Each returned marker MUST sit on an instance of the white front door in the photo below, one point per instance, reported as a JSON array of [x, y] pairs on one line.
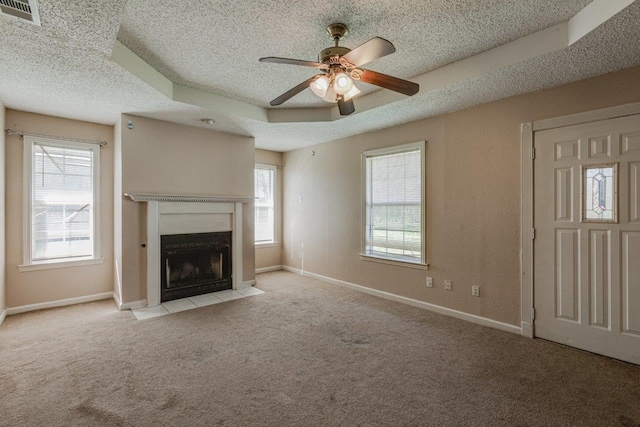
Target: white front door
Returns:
[[587, 236]]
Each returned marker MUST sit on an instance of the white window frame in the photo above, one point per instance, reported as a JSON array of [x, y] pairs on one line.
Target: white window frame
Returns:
[[275, 241], [28, 264], [422, 264]]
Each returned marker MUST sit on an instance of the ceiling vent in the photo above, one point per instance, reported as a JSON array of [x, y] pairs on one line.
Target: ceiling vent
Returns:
[[24, 10]]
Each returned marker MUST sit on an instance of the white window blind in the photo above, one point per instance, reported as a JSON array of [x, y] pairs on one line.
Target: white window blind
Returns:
[[265, 176], [63, 179], [393, 204]]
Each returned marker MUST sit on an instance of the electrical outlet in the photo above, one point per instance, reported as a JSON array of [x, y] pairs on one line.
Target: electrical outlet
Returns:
[[475, 291], [447, 285], [429, 282]]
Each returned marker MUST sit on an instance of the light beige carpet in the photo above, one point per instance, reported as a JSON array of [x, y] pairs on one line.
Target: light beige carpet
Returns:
[[304, 353]]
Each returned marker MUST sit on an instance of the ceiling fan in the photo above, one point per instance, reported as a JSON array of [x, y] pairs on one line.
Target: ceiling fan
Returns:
[[340, 66]]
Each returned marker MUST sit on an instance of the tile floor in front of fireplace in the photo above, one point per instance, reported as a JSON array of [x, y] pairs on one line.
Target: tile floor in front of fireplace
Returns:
[[183, 304]]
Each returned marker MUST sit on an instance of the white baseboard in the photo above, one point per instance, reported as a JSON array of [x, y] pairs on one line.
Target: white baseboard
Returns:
[[267, 269], [413, 302], [59, 303], [527, 330], [291, 269], [116, 299], [133, 304], [3, 316]]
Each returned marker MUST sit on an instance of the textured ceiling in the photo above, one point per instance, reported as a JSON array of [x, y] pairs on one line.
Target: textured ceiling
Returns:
[[63, 68], [215, 45]]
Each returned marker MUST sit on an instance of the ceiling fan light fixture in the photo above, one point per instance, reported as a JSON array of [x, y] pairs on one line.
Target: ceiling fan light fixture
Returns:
[[320, 86], [353, 92], [331, 95], [342, 83]]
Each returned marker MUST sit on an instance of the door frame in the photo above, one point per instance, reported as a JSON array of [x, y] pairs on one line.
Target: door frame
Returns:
[[527, 233]]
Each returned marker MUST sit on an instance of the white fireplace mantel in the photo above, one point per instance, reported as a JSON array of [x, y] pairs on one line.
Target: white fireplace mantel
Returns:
[[140, 197], [178, 214]]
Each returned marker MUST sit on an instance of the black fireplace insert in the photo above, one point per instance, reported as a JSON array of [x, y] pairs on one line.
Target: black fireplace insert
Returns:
[[194, 264]]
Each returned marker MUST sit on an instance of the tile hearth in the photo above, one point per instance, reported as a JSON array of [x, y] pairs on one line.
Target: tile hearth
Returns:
[[183, 304]]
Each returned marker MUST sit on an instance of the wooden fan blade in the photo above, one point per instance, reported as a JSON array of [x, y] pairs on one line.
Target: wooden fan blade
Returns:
[[375, 48], [346, 107], [276, 60], [389, 82], [293, 92]]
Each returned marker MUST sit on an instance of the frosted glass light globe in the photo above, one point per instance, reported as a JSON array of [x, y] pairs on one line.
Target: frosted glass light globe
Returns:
[[320, 85], [342, 83]]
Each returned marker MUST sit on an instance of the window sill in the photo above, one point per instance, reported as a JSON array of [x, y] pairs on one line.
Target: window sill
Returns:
[[60, 264], [407, 264], [267, 245]]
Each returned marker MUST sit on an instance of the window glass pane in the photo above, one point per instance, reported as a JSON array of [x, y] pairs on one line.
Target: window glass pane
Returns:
[[599, 193], [264, 205], [264, 221], [394, 205], [62, 202]]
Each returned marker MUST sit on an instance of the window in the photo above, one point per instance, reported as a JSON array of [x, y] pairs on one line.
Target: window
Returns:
[[394, 203], [600, 188], [265, 188], [61, 180]]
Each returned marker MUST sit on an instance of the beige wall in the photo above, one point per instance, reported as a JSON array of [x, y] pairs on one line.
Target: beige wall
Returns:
[[117, 210], [167, 158], [32, 287], [473, 198], [271, 255], [3, 304]]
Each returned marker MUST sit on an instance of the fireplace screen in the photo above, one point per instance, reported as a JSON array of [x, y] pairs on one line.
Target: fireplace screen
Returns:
[[194, 264]]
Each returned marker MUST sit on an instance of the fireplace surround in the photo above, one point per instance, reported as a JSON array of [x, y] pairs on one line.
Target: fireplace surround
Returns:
[[174, 215]]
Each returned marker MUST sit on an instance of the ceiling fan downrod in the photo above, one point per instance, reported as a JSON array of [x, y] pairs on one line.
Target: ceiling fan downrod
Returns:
[[337, 31]]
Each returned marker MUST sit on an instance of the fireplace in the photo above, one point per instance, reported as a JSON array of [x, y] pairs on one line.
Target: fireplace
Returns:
[[175, 215], [194, 264]]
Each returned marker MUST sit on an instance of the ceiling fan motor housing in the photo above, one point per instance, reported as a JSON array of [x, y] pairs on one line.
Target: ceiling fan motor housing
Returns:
[[327, 54]]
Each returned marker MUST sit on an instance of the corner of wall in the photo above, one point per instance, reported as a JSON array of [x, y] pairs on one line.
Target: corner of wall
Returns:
[[117, 211], [269, 257], [3, 304]]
